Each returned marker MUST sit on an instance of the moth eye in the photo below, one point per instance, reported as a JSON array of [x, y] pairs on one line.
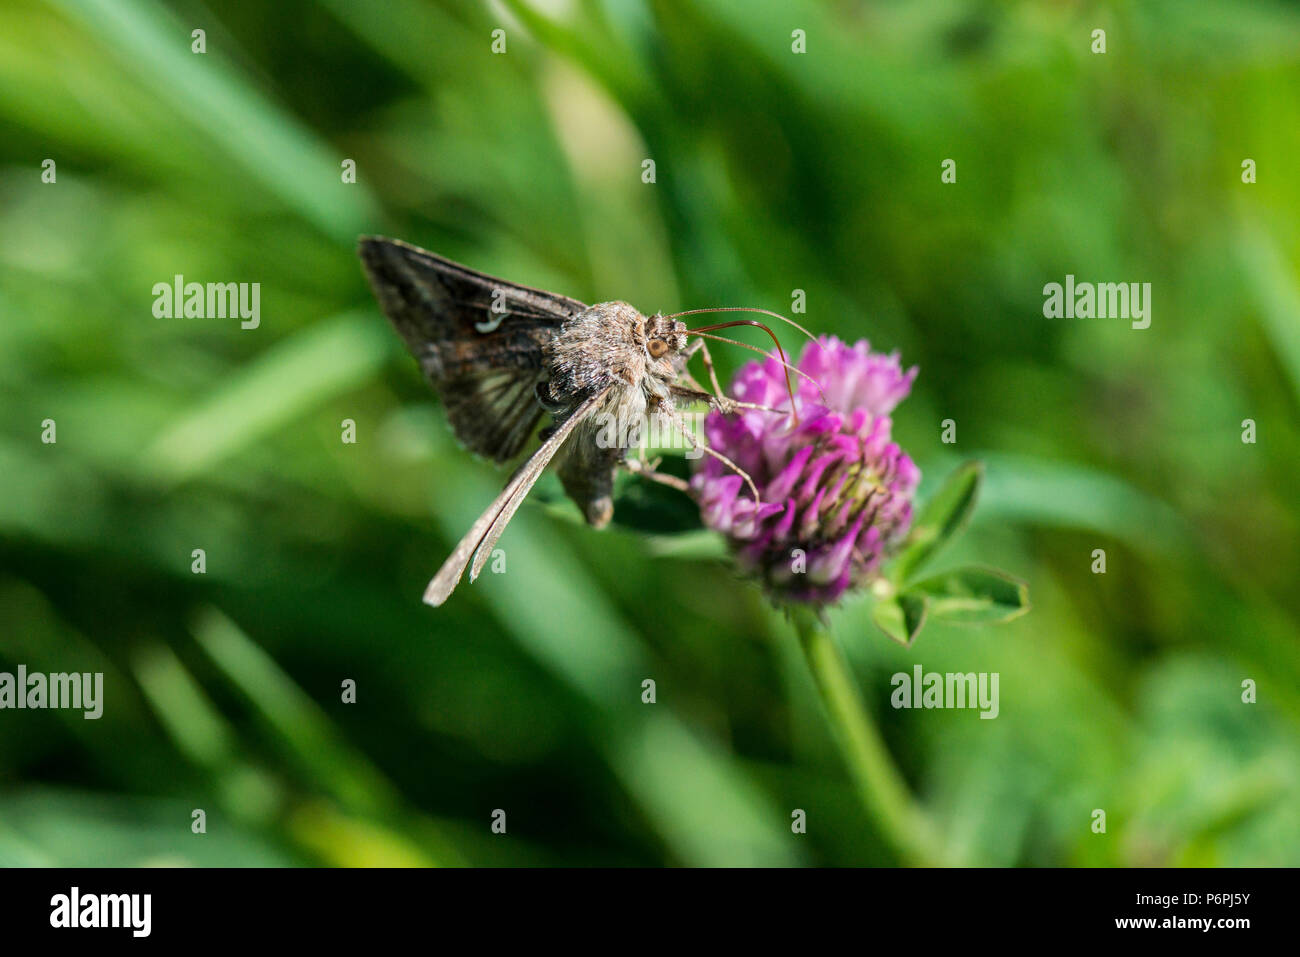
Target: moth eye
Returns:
[[657, 348]]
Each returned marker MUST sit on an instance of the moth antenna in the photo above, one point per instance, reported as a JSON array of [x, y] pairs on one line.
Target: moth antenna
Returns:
[[789, 386], [766, 312], [789, 368]]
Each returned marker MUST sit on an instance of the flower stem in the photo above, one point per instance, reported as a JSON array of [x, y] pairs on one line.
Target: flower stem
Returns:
[[879, 784]]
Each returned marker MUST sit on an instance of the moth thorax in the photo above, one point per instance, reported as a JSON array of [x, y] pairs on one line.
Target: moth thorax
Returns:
[[602, 344]]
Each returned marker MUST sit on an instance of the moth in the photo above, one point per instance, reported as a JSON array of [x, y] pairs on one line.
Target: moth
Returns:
[[502, 355]]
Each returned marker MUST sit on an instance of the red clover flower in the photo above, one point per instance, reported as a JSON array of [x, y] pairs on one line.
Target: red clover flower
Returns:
[[836, 491]]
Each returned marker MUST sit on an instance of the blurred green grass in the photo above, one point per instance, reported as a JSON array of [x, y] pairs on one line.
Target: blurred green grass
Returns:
[[775, 171]]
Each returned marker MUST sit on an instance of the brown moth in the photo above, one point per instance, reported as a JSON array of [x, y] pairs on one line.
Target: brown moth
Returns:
[[502, 355]]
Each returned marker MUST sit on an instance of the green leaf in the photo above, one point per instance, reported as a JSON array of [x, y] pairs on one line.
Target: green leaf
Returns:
[[1026, 490], [700, 545], [222, 101], [973, 596], [942, 518], [901, 617], [287, 380]]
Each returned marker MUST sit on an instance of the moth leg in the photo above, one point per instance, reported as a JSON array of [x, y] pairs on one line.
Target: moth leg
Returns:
[[720, 400], [695, 386], [686, 356], [649, 470], [691, 394], [690, 439], [698, 395], [713, 373], [725, 403], [694, 392]]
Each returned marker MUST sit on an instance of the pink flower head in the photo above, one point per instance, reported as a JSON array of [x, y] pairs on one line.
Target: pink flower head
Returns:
[[836, 491]]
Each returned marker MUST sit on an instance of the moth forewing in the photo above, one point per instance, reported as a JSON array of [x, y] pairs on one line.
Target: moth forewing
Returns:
[[485, 531], [478, 338], [534, 467]]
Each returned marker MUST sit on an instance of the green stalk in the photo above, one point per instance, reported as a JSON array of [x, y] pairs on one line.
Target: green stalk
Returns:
[[879, 784]]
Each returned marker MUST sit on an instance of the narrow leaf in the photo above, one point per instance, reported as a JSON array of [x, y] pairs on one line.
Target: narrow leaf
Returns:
[[942, 518]]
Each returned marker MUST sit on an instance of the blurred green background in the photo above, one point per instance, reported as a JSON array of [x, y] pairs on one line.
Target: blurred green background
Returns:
[[775, 171]]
